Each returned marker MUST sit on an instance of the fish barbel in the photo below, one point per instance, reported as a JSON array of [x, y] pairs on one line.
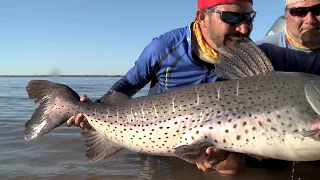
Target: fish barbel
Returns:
[[260, 112]]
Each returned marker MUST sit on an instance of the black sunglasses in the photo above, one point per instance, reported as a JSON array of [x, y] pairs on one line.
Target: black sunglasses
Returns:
[[303, 11], [234, 17]]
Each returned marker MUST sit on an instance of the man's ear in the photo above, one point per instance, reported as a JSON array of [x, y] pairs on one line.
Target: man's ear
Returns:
[[201, 17], [285, 12]]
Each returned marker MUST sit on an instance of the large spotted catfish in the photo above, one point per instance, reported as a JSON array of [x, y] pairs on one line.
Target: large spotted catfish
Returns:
[[257, 111]]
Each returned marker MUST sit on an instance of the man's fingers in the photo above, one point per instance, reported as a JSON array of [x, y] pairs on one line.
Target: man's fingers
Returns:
[[70, 121], [84, 98], [82, 125], [78, 119], [204, 166], [87, 125], [209, 150]]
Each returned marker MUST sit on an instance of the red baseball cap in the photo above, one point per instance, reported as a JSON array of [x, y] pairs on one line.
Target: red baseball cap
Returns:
[[203, 4]]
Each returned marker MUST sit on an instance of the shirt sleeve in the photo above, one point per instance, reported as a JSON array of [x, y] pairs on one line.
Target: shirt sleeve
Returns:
[[145, 67]]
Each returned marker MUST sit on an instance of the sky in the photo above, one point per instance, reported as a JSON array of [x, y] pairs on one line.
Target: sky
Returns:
[[95, 37]]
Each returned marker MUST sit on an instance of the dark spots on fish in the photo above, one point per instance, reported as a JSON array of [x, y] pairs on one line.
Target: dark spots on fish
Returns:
[[215, 141], [260, 123], [226, 131], [244, 123], [219, 122], [175, 122], [210, 127], [224, 141], [229, 120], [278, 116], [246, 131], [295, 131], [269, 120], [290, 125], [254, 128], [235, 126], [253, 137], [238, 137], [197, 132], [273, 129]]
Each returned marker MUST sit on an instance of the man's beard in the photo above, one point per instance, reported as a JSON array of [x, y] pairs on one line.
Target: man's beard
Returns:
[[220, 41]]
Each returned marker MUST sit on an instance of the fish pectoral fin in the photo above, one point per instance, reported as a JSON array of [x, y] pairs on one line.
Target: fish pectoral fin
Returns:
[[194, 153], [314, 134], [98, 147], [312, 90]]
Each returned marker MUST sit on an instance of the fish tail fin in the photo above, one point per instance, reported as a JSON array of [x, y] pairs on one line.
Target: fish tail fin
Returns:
[[98, 146], [240, 58], [54, 101]]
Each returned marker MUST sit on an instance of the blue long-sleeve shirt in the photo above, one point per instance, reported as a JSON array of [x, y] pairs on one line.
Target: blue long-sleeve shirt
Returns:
[[169, 63]]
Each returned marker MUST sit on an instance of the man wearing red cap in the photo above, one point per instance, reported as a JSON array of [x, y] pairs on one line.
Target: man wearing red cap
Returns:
[[185, 56]]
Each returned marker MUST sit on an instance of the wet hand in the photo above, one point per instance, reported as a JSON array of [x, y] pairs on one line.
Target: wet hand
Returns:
[[234, 164], [80, 120], [215, 156], [222, 161]]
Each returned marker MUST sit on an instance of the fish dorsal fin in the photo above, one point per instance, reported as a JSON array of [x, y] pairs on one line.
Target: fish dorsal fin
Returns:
[[114, 97], [238, 59]]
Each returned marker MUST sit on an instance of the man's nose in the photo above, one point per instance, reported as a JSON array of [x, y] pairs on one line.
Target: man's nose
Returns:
[[310, 18], [243, 28]]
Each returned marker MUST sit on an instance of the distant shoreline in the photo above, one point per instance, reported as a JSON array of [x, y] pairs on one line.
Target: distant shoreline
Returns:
[[61, 75]]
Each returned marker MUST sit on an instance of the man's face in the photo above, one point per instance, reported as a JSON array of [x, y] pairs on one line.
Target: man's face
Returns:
[[304, 29], [219, 31]]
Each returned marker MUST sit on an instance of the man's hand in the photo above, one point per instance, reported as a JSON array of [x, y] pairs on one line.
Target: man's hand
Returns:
[[223, 161], [79, 120], [215, 156]]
